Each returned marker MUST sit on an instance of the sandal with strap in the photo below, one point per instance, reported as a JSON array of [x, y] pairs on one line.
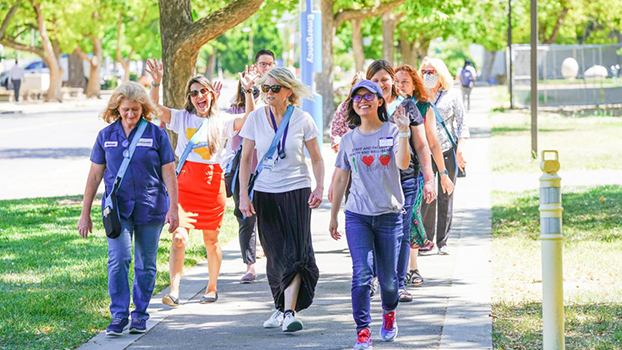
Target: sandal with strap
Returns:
[[414, 277]]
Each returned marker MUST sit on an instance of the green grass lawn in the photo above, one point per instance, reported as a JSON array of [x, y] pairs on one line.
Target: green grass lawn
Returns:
[[592, 264], [53, 283], [584, 143]]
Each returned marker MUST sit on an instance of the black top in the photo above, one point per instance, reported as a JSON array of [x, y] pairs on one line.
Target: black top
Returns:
[[416, 118]]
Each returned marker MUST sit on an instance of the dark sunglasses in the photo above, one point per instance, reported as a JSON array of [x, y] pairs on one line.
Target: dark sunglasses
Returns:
[[196, 93], [359, 98], [275, 88]]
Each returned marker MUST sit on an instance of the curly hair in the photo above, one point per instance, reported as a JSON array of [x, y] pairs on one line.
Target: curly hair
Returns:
[[419, 92], [130, 91], [287, 79]]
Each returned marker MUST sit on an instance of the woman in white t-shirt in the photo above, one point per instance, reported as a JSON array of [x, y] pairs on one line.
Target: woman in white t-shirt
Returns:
[[202, 194], [283, 198]]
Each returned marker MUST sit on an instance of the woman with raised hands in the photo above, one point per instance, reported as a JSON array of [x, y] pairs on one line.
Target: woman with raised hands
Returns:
[[200, 176]]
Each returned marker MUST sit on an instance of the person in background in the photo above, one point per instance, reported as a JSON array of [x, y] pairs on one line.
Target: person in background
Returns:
[[466, 76], [338, 126], [437, 215], [143, 203], [202, 196], [372, 155], [16, 75], [282, 198]]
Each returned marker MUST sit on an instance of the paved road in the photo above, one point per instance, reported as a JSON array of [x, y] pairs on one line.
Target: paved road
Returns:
[[451, 310]]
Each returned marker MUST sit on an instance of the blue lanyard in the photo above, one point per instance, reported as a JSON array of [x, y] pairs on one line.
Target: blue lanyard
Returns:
[[281, 145]]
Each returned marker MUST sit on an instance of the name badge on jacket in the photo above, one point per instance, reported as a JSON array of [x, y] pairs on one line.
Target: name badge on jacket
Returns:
[[108, 144], [145, 143]]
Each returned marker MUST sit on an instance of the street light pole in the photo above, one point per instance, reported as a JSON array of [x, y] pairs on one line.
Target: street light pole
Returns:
[[510, 75], [534, 79]]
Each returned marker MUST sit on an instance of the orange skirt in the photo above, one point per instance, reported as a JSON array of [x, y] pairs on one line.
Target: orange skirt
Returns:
[[202, 191]]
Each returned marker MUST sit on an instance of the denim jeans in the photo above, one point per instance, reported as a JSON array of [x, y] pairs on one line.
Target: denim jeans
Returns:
[[372, 237], [119, 256], [408, 187]]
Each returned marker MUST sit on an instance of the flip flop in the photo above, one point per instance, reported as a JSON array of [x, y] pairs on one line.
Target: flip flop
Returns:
[[208, 300]]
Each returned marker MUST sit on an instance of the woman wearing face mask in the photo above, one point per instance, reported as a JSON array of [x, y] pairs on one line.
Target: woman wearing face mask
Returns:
[[282, 198], [438, 81], [372, 155], [201, 179], [410, 85]]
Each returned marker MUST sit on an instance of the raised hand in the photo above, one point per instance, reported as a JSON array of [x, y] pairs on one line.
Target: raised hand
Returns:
[[155, 69], [217, 88], [401, 119], [247, 78]]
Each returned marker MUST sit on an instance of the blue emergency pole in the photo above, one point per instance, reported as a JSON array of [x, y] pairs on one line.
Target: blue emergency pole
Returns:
[[311, 58]]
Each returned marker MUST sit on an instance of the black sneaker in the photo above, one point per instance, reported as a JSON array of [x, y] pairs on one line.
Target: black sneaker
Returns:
[[117, 326], [138, 326]]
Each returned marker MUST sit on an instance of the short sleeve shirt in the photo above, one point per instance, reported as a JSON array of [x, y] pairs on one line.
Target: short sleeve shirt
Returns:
[[290, 173], [376, 188], [185, 124], [142, 196]]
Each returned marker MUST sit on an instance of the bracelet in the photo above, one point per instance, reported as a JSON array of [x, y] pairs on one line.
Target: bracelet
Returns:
[[248, 91], [404, 134], [155, 84]]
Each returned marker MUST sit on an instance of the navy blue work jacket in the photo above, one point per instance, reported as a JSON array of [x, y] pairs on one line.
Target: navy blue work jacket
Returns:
[[142, 197]]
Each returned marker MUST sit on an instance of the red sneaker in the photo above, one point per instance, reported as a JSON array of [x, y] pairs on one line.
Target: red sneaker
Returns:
[[364, 340]]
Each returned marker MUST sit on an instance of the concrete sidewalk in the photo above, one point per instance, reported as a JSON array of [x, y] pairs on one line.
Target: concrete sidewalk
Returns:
[[450, 310]]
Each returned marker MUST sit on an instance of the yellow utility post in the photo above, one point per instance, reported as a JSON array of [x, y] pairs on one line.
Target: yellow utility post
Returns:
[[552, 240]]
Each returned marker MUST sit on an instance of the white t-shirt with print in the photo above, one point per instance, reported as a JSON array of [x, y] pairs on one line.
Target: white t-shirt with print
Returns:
[[185, 124], [290, 173]]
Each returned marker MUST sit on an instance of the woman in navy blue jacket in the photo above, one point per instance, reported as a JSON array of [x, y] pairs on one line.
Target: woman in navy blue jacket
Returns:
[[147, 199]]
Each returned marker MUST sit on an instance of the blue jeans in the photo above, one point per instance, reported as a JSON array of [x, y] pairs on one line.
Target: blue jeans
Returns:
[[372, 237], [408, 187], [119, 257]]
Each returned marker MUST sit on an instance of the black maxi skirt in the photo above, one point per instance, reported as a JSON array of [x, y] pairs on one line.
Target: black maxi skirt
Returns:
[[284, 223]]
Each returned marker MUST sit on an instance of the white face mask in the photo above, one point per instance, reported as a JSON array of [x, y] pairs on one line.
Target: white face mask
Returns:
[[430, 80]]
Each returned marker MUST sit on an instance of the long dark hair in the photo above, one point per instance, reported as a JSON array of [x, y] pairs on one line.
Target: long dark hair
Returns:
[[354, 119], [384, 65]]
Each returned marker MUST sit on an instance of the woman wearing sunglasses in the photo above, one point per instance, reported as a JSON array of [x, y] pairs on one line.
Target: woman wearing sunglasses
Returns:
[[201, 180], [410, 85], [372, 155], [438, 80], [282, 198]]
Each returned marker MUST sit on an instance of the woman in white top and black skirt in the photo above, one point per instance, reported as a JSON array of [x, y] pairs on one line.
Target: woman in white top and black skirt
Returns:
[[282, 196]]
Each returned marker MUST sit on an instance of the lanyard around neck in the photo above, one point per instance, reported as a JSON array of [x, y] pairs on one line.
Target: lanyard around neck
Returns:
[[281, 145]]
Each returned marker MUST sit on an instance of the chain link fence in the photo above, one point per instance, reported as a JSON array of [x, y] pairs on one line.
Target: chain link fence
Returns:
[[569, 75]]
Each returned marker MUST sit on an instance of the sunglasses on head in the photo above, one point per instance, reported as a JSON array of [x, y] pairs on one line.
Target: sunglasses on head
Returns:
[[359, 98], [275, 88], [196, 93]]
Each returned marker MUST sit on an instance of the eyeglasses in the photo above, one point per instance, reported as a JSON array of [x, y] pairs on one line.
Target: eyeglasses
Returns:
[[359, 98], [195, 93], [265, 64], [275, 88], [428, 71]]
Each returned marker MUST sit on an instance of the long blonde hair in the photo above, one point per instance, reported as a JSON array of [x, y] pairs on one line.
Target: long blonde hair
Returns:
[[284, 77], [213, 129], [130, 91]]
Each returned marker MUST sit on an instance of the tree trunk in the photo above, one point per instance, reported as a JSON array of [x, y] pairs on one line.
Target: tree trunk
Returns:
[[93, 89], [357, 44], [388, 37], [558, 24], [182, 39], [124, 63], [51, 58], [407, 50], [324, 80], [210, 65], [76, 71]]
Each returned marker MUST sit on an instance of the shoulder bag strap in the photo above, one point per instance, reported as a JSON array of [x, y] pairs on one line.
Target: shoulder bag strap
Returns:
[[190, 146], [275, 141], [142, 125], [442, 122]]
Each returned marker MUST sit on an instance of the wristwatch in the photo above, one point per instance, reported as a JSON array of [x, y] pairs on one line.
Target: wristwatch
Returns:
[[155, 84], [248, 91], [444, 172]]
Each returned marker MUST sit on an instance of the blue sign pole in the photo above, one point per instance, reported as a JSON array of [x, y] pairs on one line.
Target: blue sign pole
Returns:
[[311, 59]]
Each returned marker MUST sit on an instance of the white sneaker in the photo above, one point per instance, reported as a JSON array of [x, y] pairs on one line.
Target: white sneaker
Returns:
[[443, 250], [291, 323], [276, 320]]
